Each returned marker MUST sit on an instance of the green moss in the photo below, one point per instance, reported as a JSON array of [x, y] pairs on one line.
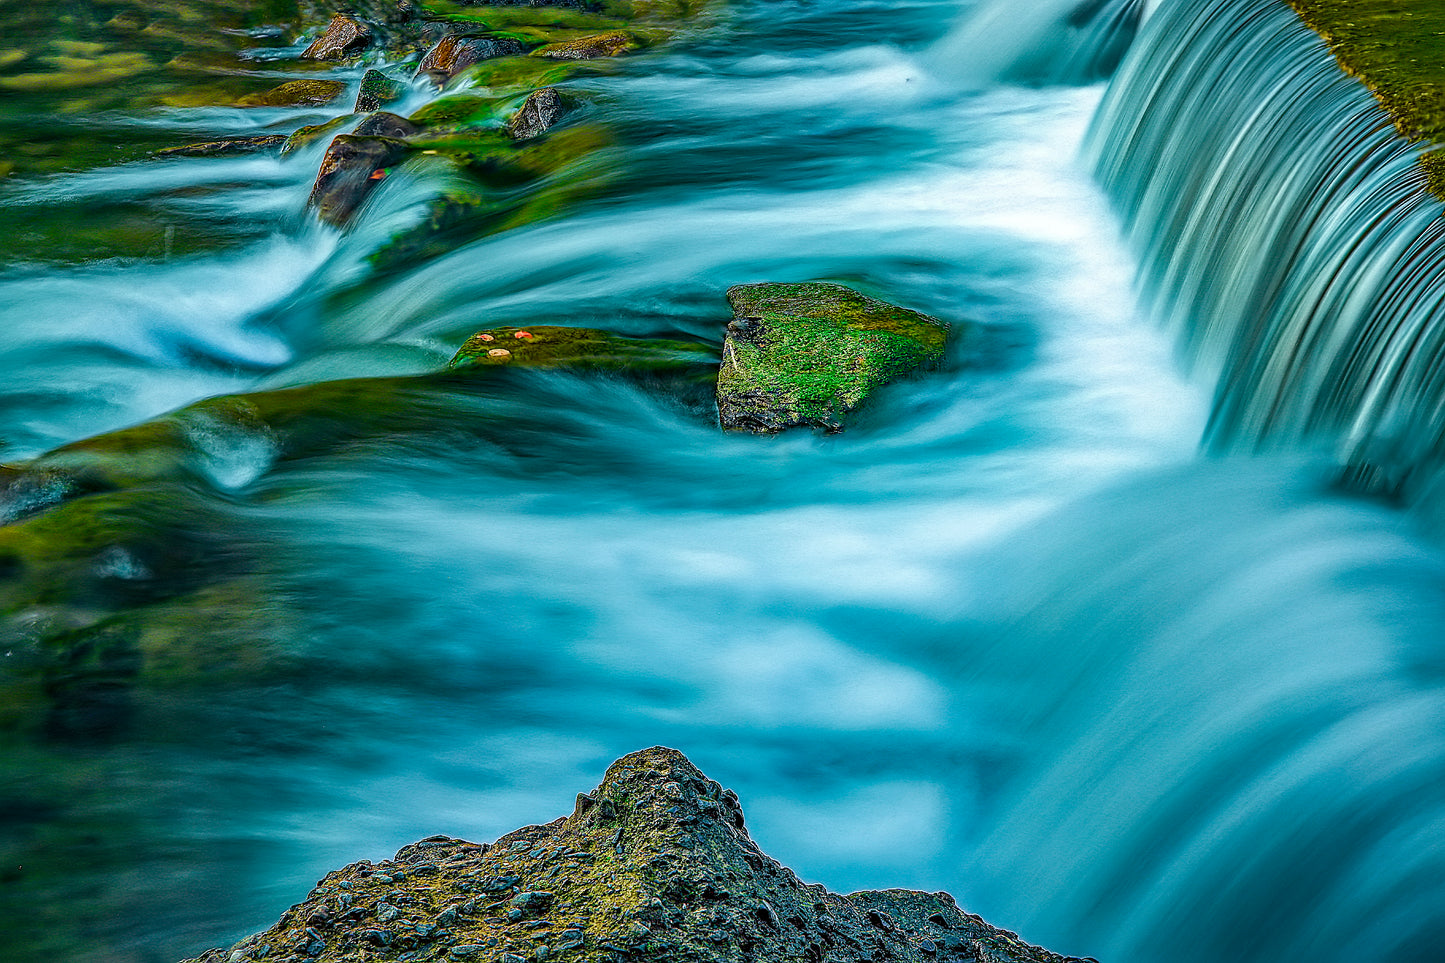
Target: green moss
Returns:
[[598, 46], [808, 354], [1397, 49], [530, 24], [457, 111], [554, 346], [314, 132]]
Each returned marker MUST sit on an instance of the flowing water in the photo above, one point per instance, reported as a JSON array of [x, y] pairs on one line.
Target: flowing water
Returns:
[[1010, 635]]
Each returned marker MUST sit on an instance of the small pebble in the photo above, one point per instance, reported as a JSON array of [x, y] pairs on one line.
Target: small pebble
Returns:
[[467, 950], [523, 334], [485, 337], [504, 353]]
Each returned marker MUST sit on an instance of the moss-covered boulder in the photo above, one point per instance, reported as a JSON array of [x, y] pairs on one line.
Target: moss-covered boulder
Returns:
[[555, 346], [809, 354], [377, 91], [297, 93], [655, 864]]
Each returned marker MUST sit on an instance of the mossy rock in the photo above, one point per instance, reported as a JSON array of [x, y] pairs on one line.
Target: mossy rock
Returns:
[[614, 43], [655, 864], [377, 91], [297, 93], [456, 112], [811, 353], [556, 346]]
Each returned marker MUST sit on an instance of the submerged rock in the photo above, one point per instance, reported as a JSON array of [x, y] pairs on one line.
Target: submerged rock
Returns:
[[538, 114], [655, 864], [226, 146], [611, 44], [383, 124], [297, 93], [452, 55], [343, 37], [378, 90], [311, 133], [809, 354], [350, 171], [555, 346]]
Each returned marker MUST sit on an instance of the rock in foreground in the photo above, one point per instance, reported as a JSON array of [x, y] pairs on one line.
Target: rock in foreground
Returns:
[[808, 354], [654, 865]]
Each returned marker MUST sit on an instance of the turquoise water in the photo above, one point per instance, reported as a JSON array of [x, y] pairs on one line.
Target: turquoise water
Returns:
[[1012, 635]]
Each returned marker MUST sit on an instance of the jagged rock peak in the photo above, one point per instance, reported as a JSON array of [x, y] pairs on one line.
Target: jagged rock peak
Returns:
[[655, 864]]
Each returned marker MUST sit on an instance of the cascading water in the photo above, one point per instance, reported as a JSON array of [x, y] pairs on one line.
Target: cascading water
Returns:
[[1284, 233], [1006, 636], [1043, 42]]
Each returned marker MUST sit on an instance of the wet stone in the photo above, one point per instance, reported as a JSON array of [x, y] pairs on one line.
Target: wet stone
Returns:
[[352, 168], [539, 113], [343, 37], [452, 55], [383, 124]]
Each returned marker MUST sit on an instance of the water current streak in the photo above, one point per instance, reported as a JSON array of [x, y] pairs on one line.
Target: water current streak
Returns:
[[1284, 231]]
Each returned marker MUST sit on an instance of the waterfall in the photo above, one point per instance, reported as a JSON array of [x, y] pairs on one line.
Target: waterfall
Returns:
[[1285, 233], [1042, 42]]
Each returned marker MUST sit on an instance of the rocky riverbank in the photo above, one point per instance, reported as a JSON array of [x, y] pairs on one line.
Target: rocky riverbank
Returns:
[[655, 864]]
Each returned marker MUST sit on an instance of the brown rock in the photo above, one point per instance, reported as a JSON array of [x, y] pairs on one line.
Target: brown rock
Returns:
[[539, 113], [350, 171], [343, 37], [655, 865], [452, 55]]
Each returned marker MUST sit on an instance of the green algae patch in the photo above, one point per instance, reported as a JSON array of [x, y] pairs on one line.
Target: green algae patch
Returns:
[[809, 354], [1397, 49], [556, 346], [311, 133], [529, 24]]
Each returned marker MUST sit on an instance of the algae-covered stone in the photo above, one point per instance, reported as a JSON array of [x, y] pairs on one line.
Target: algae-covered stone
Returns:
[[352, 168], [556, 346], [297, 93], [808, 354], [655, 864], [383, 124], [343, 37], [226, 147], [614, 43], [377, 91]]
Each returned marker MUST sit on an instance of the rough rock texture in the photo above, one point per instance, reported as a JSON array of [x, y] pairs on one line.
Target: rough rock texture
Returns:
[[297, 93], [610, 44], [808, 354], [555, 346], [654, 865], [351, 169], [378, 90], [539, 113], [343, 37], [452, 55]]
